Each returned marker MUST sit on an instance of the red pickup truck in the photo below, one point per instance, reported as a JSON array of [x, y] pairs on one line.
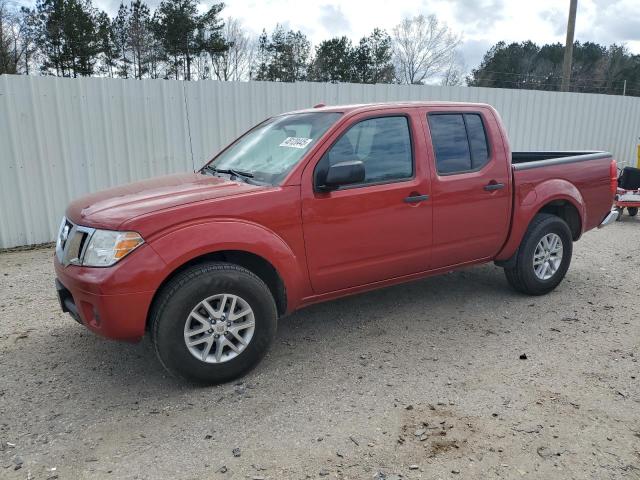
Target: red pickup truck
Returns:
[[314, 205]]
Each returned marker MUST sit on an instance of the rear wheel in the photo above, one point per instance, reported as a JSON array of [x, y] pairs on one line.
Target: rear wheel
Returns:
[[213, 323], [620, 212], [632, 211], [543, 257]]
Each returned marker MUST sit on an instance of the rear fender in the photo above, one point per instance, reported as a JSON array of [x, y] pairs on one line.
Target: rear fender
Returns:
[[181, 245], [529, 200]]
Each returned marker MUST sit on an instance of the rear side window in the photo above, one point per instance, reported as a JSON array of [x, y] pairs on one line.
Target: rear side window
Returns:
[[459, 142], [383, 144]]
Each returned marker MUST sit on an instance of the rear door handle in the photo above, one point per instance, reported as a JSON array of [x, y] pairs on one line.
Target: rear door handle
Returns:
[[416, 198], [494, 186]]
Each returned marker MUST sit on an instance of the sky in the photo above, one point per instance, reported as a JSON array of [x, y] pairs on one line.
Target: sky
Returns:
[[481, 23]]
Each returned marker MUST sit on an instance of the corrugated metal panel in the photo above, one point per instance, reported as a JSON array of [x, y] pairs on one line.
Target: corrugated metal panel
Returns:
[[62, 138]]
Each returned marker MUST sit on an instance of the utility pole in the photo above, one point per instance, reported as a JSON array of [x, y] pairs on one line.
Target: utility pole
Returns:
[[568, 48]]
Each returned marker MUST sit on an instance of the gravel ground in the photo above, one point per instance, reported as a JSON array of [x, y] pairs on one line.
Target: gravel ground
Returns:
[[423, 380]]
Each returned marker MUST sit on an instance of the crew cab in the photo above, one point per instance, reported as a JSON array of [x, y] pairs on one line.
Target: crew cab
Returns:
[[314, 205]]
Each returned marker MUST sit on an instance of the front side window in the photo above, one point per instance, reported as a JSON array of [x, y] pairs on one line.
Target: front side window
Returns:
[[269, 152], [382, 144], [459, 142]]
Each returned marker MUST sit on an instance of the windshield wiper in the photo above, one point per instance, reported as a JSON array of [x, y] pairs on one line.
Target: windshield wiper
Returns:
[[230, 171]]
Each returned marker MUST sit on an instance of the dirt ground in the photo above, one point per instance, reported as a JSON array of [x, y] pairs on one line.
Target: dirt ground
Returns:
[[423, 380]]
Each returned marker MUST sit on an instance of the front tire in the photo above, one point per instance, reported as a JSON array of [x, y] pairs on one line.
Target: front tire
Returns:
[[543, 257], [632, 211], [213, 323]]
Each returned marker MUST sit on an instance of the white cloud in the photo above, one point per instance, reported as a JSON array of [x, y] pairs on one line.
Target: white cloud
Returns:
[[482, 23], [333, 20]]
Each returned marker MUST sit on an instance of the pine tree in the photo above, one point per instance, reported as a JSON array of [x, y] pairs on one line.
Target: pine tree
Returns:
[[120, 32], [140, 37], [372, 59], [380, 54], [333, 61], [107, 45], [184, 34], [296, 56], [68, 36], [284, 57], [210, 41], [264, 57]]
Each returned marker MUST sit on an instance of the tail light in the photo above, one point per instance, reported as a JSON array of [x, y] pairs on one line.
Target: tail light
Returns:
[[613, 173]]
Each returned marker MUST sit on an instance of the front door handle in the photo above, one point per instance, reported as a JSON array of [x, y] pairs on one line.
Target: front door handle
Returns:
[[416, 198], [494, 186]]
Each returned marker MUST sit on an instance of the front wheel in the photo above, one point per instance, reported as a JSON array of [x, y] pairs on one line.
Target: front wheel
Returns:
[[632, 211], [213, 322], [543, 257]]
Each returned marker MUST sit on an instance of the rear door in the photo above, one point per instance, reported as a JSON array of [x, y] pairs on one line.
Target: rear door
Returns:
[[471, 185], [381, 228]]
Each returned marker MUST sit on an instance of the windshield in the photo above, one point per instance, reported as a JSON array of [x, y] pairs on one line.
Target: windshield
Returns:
[[267, 153]]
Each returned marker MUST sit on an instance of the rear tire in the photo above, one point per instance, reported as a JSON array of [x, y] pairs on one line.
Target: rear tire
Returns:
[[216, 305], [620, 212], [548, 239], [632, 211]]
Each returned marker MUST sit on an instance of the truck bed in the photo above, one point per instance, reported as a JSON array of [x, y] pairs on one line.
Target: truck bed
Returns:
[[537, 159], [582, 175]]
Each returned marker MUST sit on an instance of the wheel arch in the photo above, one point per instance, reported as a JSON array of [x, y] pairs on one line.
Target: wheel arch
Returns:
[[566, 210], [557, 197], [246, 244], [256, 264]]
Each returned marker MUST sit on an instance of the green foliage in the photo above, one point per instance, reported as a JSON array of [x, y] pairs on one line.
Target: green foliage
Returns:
[[283, 57], [334, 61], [525, 65], [107, 41], [337, 60], [184, 34], [372, 59], [140, 39], [72, 38], [210, 40], [176, 26], [67, 36], [120, 36]]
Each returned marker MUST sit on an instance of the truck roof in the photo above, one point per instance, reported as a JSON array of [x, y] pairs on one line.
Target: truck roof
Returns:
[[363, 107]]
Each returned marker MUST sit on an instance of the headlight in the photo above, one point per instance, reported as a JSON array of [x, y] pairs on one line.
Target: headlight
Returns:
[[106, 247]]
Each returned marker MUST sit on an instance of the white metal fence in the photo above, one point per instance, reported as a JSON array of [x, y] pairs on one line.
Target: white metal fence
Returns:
[[62, 138]]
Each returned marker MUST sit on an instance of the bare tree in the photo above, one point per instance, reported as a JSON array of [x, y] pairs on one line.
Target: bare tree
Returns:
[[8, 39], [453, 76], [235, 63], [423, 47]]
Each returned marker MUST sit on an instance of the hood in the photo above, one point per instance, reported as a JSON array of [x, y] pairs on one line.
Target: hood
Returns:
[[110, 208]]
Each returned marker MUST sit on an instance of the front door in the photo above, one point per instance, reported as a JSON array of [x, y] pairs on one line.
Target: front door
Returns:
[[381, 228], [471, 186]]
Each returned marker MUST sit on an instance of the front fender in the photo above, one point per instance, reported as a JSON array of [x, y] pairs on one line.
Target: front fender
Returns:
[[184, 244], [529, 200]]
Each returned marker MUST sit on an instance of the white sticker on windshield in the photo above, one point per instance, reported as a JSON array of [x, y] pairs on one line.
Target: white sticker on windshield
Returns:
[[296, 142]]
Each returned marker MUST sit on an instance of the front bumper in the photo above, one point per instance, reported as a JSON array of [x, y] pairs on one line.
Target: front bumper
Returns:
[[66, 301], [611, 217], [99, 298]]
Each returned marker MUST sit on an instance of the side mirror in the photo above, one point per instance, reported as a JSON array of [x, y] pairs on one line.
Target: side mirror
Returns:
[[343, 173]]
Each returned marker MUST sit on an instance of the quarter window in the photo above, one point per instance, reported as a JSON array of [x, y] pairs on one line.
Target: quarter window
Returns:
[[383, 144], [459, 142]]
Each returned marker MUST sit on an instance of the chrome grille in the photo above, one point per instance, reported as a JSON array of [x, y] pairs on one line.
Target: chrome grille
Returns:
[[71, 242]]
